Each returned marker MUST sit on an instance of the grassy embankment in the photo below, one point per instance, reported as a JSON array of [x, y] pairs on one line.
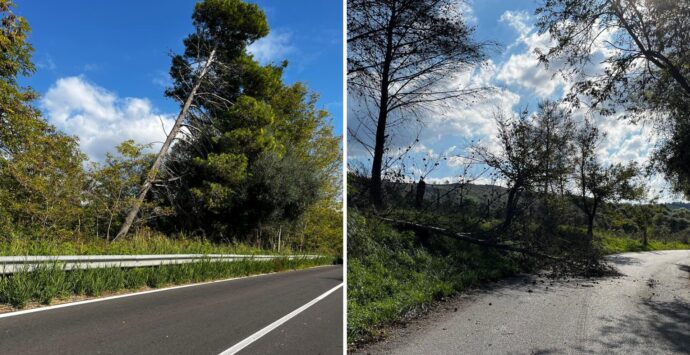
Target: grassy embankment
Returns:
[[613, 245]]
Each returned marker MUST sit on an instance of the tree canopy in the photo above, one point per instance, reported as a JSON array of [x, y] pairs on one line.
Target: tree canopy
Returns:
[[645, 66]]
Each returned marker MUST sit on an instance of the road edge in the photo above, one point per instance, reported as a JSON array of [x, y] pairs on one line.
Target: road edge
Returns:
[[138, 293]]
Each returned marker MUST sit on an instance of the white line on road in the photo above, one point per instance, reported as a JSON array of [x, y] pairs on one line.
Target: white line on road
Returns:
[[254, 337]]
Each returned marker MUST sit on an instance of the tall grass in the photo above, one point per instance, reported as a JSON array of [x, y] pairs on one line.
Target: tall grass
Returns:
[[138, 244], [49, 282], [391, 275], [611, 244]]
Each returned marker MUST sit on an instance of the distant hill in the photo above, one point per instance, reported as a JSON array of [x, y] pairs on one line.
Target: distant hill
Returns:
[[678, 205]]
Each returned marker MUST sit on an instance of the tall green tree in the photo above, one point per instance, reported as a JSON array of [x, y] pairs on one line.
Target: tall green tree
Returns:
[[41, 174], [255, 151], [223, 29]]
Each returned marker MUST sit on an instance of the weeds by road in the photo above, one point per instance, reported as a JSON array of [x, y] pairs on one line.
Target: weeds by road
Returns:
[[616, 245], [390, 276], [144, 243], [52, 282]]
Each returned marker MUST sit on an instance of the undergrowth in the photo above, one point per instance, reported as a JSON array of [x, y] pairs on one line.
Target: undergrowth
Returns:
[[136, 244], [391, 275]]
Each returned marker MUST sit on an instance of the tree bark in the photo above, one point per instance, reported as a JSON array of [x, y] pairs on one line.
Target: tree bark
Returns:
[[419, 197], [164, 150], [375, 189], [590, 227], [590, 221], [511, 206]]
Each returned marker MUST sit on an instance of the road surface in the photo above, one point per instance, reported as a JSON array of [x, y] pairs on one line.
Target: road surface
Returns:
[[204, 319], [647, 311]]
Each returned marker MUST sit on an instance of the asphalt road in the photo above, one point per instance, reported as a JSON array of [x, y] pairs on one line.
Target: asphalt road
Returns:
[[647, 311], [203, 319]]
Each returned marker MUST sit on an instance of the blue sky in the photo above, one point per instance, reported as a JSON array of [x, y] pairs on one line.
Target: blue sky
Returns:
[[102, 65], [519, 81]]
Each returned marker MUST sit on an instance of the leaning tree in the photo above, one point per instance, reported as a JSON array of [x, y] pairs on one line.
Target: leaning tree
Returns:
[[223, 29]]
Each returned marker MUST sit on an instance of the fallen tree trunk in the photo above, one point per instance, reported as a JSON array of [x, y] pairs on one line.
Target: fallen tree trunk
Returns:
[[466, 237]]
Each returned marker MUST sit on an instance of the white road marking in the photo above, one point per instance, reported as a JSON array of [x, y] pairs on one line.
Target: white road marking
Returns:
[[254, 337], [47, 308]]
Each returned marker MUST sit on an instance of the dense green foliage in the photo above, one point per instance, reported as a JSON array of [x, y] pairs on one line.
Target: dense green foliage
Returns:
[[258, 153], [40, 168], [142, 243], [616, 244], [50, 282], [257, 162]]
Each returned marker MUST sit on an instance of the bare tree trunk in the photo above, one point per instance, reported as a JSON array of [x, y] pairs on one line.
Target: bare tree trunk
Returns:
[[511, 206], [110, 222], [419, 197], [375, 190], [164, 150], [280, 231], [590, 227]]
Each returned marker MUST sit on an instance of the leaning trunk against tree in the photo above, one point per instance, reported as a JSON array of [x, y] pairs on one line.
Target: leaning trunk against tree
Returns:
[[153, 172]]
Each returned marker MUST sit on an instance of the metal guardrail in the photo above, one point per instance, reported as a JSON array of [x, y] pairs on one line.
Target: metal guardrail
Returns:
[[12, 264]]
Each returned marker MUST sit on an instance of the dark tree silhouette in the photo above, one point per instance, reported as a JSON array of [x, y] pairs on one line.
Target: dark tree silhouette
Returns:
[[399, 53], [646, 66]]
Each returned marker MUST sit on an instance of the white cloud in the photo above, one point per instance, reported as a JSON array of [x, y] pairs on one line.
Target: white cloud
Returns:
[[523, 69], [517, 78], [467, 12], [517, 20], [273, 47], [474, 119], [100, 118]]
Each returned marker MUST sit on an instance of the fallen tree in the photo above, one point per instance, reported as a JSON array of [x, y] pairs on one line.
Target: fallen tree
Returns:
[[582, 263], [468, 237]]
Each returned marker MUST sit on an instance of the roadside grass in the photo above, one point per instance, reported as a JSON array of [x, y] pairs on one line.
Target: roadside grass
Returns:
[[143, 243], [613, 245], [391, 276], [51, 282]]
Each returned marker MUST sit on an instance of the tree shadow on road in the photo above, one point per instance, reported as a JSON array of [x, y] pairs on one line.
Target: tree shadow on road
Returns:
[[665, 324], [683, 267]]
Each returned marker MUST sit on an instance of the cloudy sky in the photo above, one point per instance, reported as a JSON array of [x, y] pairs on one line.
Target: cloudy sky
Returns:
[[519, 82], [102, 65]]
